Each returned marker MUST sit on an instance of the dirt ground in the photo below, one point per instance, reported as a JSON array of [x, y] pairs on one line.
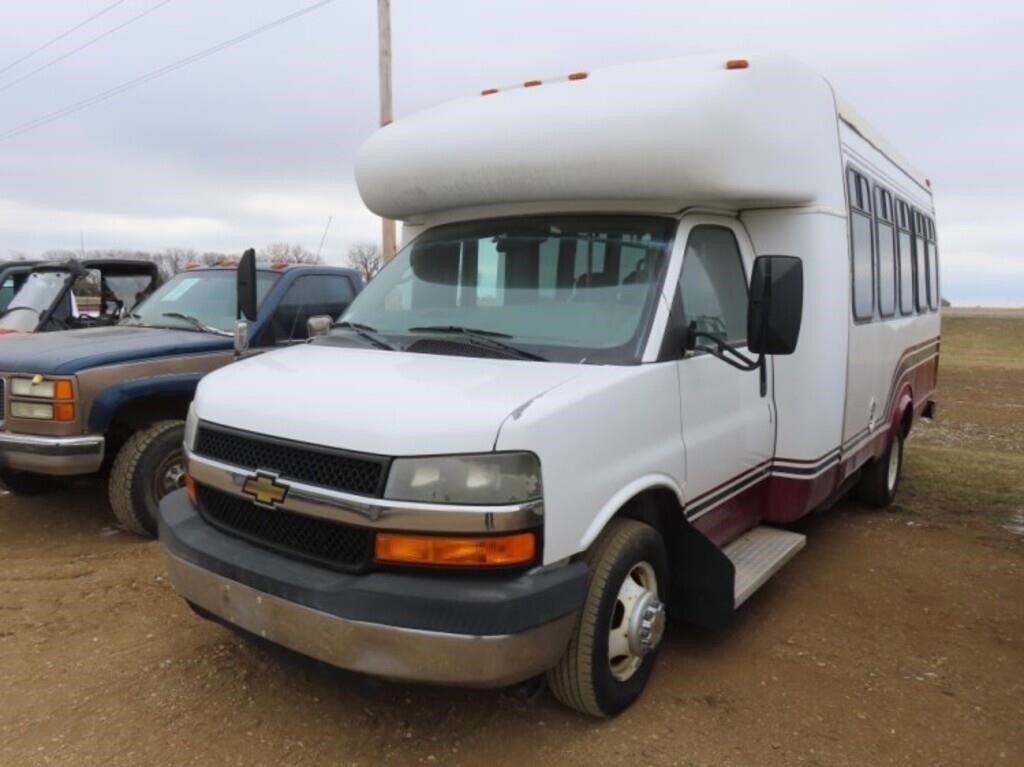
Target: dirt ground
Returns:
[[895, 637]]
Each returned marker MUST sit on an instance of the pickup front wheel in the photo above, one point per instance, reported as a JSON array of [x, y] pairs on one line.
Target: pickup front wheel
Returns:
[[611, 653], [149, 465]]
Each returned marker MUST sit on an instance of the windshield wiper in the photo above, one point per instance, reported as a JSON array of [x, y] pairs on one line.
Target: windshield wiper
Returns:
[[367, 334], [489, 338], [196, 323]]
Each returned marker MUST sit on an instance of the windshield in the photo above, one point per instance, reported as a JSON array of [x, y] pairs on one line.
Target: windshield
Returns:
[[36, 295], [568, 289], [209, 296]]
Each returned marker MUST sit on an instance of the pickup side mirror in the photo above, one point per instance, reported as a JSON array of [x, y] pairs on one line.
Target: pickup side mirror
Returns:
[[776, 305], [248, 305], [320, 325]]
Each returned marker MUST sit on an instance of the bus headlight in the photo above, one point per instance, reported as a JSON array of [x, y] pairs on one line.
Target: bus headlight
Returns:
[[484, 479]]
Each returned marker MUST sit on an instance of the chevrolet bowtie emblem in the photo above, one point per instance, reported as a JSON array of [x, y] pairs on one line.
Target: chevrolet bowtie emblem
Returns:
[[265, 489]]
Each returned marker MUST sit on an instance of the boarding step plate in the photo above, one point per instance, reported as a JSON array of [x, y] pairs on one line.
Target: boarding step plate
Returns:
[[758, 555]]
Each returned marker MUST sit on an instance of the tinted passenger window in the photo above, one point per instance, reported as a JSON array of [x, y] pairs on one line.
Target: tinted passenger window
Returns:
[[921, 261], [714, 284], [933, 267], [905, 255], [309, 296], [886, 237], [862, 252]]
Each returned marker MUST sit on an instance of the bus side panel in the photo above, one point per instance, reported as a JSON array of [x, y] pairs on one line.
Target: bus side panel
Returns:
[[810, 384]]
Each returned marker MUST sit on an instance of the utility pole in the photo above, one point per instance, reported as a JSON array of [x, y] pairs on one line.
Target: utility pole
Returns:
[[388, 238]]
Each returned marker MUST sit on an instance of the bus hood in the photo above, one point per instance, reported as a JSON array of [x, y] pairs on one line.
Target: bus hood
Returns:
[[372, 401]]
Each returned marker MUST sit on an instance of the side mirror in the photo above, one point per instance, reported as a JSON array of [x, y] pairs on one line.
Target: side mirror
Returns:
[[248, 305], [776, 305], [241, 338], [320, 325]]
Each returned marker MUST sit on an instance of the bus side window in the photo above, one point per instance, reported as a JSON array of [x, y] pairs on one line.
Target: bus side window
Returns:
[[905, 255], [933, 266], [921, 261], [885, 234], [862, 255]]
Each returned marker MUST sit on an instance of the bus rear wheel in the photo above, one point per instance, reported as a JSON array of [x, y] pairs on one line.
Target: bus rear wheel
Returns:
[[611, 653], [881, 478]]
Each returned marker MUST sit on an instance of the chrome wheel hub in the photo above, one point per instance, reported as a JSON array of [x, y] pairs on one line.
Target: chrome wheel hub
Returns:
[[894, 464], [637, 623]]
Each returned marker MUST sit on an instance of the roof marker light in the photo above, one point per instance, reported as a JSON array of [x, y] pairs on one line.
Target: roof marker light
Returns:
[[488, 91], [578, 75], [531, 83], [737, 64]]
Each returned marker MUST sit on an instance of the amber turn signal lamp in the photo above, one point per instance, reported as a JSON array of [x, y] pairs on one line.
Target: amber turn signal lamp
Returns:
[[397, 548], [737, 64], [63, 390], [64, 412], [190, 488]]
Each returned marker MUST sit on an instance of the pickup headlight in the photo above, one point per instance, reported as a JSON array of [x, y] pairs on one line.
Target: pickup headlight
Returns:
[[53, 399], [43, 388], [484, 479]]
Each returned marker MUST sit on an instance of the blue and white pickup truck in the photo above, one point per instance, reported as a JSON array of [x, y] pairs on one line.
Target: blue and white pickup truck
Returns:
[[113, 399]]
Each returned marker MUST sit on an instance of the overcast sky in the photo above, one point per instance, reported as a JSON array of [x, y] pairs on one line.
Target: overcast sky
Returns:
[[255, 144]]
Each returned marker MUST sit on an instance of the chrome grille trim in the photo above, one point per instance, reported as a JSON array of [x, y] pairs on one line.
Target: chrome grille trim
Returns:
[[377, 513]]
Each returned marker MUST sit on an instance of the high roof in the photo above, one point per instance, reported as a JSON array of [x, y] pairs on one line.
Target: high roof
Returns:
[[656, 136]]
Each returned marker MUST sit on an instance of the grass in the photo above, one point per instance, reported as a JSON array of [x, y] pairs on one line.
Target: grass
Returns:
[[969, 464]]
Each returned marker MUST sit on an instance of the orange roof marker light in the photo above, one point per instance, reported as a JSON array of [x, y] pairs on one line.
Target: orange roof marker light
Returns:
[[488, 91], [578, 76], [532, 83], [228, 262], [279, 265], [737, 64]]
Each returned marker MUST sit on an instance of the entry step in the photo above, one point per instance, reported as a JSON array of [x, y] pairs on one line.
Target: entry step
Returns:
[[758, 555]]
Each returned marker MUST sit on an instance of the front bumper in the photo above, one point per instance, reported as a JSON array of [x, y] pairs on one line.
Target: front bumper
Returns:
[[461, 629], [63, 456]]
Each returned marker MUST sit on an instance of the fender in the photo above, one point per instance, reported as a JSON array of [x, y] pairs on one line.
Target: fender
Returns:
[[105, 405], [903, 401], [617, 501]]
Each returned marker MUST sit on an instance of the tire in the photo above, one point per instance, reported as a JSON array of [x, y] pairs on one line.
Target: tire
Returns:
[[24, 483], [148, 466], [585, 678], [880, 480]]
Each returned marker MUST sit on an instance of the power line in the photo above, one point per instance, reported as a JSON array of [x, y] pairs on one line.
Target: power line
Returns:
[[81, 47], [159, 72], [60, 37]]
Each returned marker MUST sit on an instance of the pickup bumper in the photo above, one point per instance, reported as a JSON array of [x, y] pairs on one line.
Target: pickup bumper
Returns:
[[459, 629], [62, 456]]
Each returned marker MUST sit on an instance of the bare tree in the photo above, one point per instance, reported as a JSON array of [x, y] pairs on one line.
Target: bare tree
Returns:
[[366, 257], [289, 254]]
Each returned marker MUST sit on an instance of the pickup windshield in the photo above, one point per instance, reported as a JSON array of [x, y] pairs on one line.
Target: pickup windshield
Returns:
[[36, 296], [566, 289], [192, 300]]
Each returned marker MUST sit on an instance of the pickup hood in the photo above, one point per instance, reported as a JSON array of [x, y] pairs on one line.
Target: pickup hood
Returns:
[[389, 403], [69, 351]]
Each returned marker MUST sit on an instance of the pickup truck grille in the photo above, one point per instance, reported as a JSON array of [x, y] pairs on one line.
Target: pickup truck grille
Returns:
[[355, 473], [338, 546]]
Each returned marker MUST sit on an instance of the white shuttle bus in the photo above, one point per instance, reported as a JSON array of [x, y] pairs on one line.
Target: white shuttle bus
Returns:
[[644, 319]]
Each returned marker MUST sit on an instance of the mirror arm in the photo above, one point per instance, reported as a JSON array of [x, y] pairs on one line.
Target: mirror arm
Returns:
[[721, 349]]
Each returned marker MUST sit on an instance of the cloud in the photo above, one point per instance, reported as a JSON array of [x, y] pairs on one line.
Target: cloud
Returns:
[[256, 144]]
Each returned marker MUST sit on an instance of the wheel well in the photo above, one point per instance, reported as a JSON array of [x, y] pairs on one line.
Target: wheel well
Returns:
[[137, 414], [907, 418], [702, 577]]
